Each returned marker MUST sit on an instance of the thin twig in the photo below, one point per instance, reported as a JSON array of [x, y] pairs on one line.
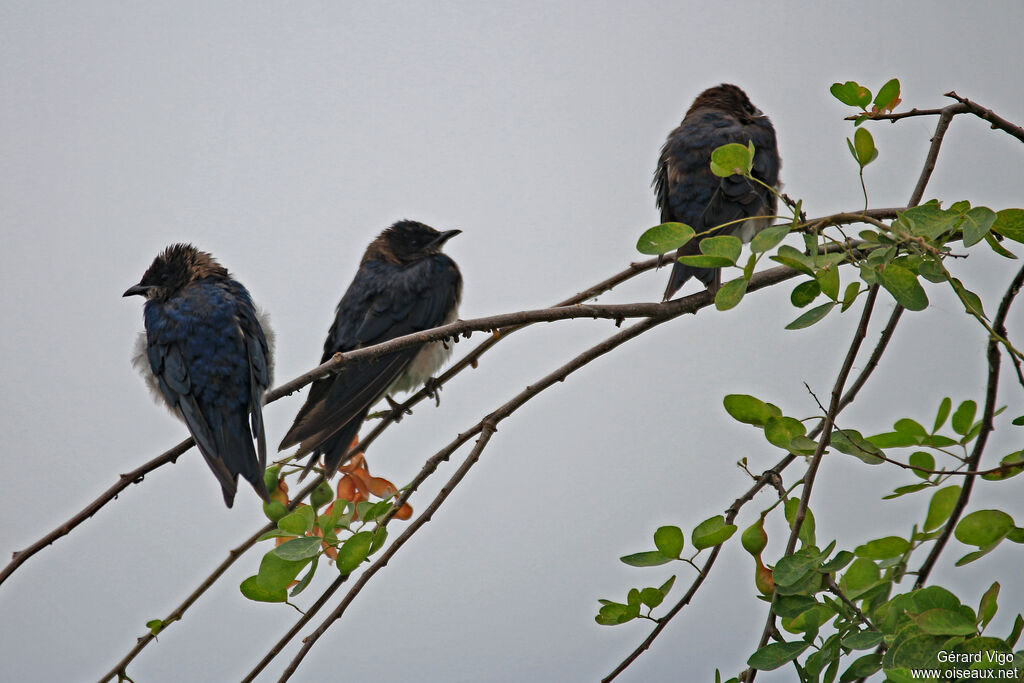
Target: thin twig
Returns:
[[998, 122]]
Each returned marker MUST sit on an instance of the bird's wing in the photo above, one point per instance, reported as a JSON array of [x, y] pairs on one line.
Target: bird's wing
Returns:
[[383, 303]]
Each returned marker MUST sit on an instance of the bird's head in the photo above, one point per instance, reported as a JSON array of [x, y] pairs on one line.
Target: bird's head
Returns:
[[729, 98], [408, 241], [173, 269]]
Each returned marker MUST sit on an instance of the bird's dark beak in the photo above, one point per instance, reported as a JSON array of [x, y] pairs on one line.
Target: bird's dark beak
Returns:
[[444, 237], [136, 289]]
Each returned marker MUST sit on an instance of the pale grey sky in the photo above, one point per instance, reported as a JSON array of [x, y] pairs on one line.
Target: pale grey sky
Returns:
[[282, 137]]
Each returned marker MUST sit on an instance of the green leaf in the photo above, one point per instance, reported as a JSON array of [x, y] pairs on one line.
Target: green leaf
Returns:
[[864, 147], [731, 159], [298, 522], [928, 220], [828, 280], [807, 527], [941, 507], [669, 540], [842, 558], [804, 293], [652, 597], [667, 586], [979, 221], [155, 626], [1010, 223], [276, 572], [851, 93], [888, 95], [882, 548], [750, 410], [793, 605], [903, 490], [792, 568], [705, 261], [614, 613], [1018, 627], [354, 551], [987, 608], [963, 418], [850, 442], [712, 532], [1013, 464], [972, 302], [664, 238], [723, 246], [904, 287], [254, 591], [940, 418], [305, 580], [781, 430], [983, 527], [908, 426], [863, 640], [812, 316], [862, 667], [923, 460], [793, 258], [730, 294], [301, 548], [894, 440], [775, 655], [999, 248], [860, 577], [768, 238], [944, 622], [651, 558], [380, 536]]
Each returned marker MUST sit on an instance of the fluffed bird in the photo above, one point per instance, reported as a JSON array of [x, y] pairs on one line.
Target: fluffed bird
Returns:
[[404, 284], [205, 353], [688, 192]]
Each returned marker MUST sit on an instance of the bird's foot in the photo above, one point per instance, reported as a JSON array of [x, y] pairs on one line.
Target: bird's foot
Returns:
[[433, 388], [397, 412]]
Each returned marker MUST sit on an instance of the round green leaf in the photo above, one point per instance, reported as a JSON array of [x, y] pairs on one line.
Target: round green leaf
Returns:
[[977, 223], [730, 294], [804, 293], [944, 622], [781, 430], [768, 238], [664, 238], [354, 551], [254, 591], [864, 145], [904, 287], [712, 532], [669, 540], [963, 418], [883, 548], [731, 159], [983, 527], [851, 93], [1010, 223], [723, 246]]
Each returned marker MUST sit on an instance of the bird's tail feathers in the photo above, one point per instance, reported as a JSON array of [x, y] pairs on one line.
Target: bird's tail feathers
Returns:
[[681, 273]]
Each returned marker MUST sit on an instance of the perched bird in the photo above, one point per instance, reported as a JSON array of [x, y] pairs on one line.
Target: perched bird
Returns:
[[209, 359], [688, 192], [404, 284]]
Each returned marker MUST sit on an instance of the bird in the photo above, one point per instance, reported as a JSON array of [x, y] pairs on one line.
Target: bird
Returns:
[[688, 192], [207, 354], [404, 284]]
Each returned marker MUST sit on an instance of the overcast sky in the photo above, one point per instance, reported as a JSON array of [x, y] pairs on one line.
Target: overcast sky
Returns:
[[282, 137]]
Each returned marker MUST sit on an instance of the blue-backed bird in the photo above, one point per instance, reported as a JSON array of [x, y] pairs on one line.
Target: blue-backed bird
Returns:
[[688, 192], [205, 352], [404, 284]]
